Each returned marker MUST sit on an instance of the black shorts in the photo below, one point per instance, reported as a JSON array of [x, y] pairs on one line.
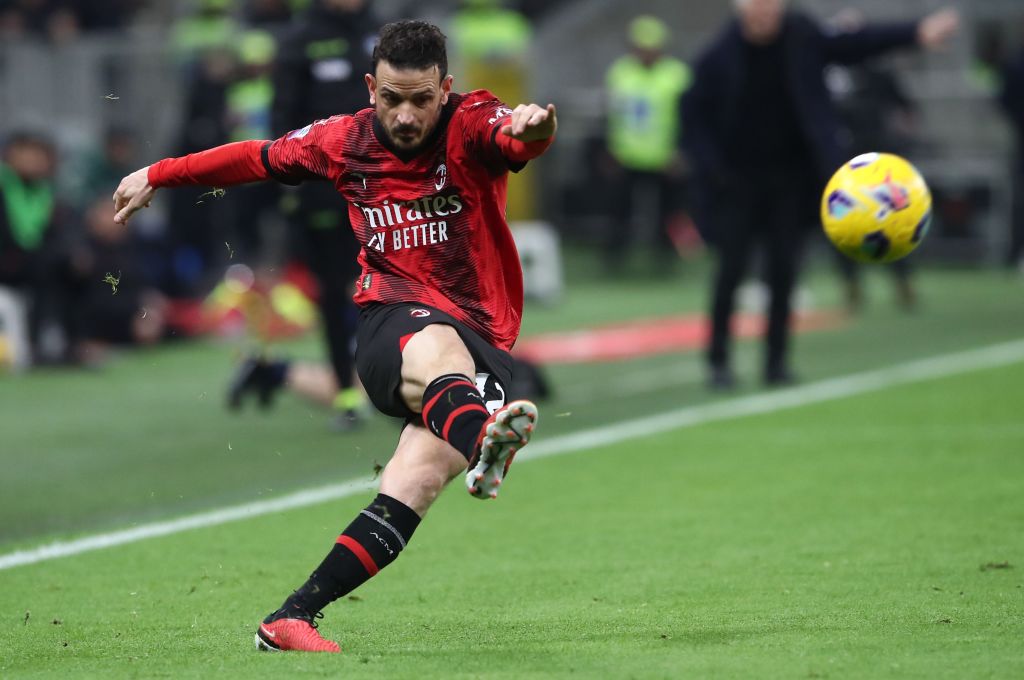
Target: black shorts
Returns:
[[382, 334]]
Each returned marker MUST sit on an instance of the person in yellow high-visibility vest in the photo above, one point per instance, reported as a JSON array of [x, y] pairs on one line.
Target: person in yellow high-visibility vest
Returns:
[[248, 99], [491, 49], [644, 91]]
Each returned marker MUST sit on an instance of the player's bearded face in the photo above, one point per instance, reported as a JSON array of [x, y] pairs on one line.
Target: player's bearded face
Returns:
[[408, 102]]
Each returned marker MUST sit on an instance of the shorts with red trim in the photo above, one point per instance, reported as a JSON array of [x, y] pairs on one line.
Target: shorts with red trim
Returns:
[[383, 332]]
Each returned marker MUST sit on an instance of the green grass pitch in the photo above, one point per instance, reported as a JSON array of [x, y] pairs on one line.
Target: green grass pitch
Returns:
[[880, 535]]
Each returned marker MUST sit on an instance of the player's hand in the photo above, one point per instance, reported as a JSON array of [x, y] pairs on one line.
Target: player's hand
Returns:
[[133, 193], [531, 123], [936, 29]]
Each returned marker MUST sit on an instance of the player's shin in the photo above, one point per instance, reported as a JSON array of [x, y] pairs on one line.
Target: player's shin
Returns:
[[372, 541]]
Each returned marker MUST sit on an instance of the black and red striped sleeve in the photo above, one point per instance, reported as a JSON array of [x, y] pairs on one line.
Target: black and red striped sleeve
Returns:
[[484, 119], [311, 152]]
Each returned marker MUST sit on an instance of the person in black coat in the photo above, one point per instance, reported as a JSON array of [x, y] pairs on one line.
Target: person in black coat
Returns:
[[1011, 99], [763, 136]]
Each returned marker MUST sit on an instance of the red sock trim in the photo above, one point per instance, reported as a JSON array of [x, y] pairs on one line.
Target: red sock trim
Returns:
[[430, 404], [360, 552], [456, 413]]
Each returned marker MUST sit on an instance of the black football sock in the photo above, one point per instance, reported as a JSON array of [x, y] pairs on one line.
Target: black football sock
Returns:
[[454, 411], [372, 541]]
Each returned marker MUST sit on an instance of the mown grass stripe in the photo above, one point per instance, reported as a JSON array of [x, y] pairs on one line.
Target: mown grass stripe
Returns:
[[941, 366]]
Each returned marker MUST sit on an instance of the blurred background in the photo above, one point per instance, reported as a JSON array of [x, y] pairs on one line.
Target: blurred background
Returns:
[[100, 88], [618, 275], [177, 374]]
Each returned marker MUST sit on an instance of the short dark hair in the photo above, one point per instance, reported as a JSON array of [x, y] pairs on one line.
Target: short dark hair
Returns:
[[411, 45]]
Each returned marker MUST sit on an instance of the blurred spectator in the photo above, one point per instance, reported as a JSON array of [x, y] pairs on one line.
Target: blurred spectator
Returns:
[[485, 35], [205, 120], [490, 50], [644, 88], [98, 171], [114, 303], [197, 216], [764, 136], [321, 63], [878, 115], [62, 20], [210, 26], [249, 98], [535, 10], [31, 222], [319, 73], [990, 56], [251, 93], [49, 19], [268, 14], [1011, 98], [104, 15]]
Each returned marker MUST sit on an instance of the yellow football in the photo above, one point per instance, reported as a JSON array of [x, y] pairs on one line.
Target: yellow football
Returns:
[[876, 208]]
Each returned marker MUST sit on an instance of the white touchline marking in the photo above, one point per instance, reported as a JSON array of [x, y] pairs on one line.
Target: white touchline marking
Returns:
[[766, 402], [204, 519]]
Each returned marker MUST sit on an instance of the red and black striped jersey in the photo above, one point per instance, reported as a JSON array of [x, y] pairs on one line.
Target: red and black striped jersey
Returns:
[[431, 223]]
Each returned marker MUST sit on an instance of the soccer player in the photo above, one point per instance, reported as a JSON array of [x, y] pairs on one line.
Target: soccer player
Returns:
[[441, 292]]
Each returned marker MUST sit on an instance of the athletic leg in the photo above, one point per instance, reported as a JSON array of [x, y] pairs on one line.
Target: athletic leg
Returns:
[[667, 204], [906, 294], [420, 469], [734, 241], [784, 237], [437, 381], [417, 473], [619, 236], [313, 381], [435, 365]]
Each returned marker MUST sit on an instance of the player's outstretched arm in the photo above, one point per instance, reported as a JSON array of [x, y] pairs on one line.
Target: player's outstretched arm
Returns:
[[221, 166], [532, 123], [132, 194]]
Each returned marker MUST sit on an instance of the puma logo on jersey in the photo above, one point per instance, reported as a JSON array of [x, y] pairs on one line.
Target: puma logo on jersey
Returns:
[[500, 113]]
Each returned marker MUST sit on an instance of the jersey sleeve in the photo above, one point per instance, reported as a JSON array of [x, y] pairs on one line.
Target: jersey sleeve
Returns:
[[222, 166], [307, 153], [483, 120]]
